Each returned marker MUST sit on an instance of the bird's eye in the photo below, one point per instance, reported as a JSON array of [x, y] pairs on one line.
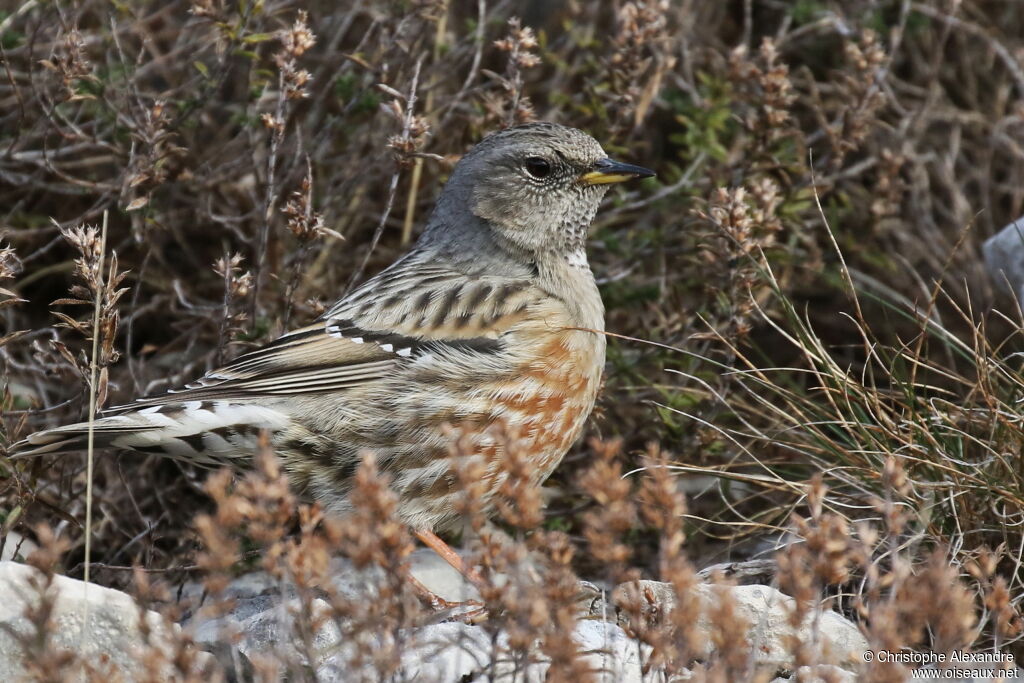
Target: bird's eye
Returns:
[[537, 167]]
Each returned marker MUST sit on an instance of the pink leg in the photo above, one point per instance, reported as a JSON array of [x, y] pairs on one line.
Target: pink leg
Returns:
[[434, 542]]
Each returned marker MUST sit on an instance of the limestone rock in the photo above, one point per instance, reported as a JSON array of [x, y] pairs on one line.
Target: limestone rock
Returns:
[[452, 652], [425, 565], [1004, 257], [822, 673], [16, 547], [767, 611], [114, 638], [265, 625]]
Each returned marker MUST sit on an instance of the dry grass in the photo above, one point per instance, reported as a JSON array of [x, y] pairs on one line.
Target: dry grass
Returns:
[[823, 355]]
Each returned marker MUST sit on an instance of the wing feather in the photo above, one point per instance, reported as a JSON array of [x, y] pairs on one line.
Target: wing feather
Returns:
[[327, 356], [399, 319], [308, 359]]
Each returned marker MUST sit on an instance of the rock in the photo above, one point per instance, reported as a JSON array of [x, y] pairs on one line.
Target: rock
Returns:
[[425, 565], [610, 651], [262, 622], [265, 625], [767, 611], [453, 652], [439, 576], [16, 547], [450, 651], [1004, 257], [592, 601], [821, 673], [114, 637], [747, 571], [235, 665]]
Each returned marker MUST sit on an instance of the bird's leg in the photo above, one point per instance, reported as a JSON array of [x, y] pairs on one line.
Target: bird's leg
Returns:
[[477, 612], [428, 596], [434, 542]]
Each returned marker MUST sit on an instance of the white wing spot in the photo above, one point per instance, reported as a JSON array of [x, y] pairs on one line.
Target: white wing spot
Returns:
[[406, 352], [387, 347], [356, 340]]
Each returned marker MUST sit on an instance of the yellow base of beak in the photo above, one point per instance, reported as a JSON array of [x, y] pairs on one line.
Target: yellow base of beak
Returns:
[[608, 171], [602, 178]]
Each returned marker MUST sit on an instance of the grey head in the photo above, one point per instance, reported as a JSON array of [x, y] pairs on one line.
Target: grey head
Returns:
[[530, 191]]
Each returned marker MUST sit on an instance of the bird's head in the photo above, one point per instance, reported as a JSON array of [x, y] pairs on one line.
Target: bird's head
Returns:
[[536, 186]]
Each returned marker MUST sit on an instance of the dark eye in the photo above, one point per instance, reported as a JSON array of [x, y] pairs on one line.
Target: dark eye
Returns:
[[537, 167]]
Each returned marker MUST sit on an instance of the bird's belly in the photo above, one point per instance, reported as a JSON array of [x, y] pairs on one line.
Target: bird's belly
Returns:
[[519, 425], [432, 423]]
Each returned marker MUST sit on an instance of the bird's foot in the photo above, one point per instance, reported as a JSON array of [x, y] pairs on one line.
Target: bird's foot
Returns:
[[468, 612]]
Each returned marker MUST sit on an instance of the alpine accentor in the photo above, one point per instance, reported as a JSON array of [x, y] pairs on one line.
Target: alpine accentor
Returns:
[[494, 315]]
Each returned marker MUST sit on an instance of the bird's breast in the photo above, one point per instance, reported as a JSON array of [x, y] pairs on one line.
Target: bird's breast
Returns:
[[550, 397]]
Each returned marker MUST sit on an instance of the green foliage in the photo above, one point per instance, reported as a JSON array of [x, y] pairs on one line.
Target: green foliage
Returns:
[[352, 91], [806, 11], [708, 125], [10, 38]]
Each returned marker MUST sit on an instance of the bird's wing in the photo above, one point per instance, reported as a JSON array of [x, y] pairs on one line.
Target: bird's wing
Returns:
[[327, 356], [407, 313]]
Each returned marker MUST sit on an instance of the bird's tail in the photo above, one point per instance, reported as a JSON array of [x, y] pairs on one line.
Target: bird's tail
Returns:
[[65, 439], [202, 432]]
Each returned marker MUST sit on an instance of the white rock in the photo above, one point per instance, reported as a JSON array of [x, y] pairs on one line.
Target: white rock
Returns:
[[425, 565], [821, 673], [439, 576], [767, 610], [113, 623], [16, 547], [609, 651], [265, 625], [454, 651], [446, 652], [1004, 257]]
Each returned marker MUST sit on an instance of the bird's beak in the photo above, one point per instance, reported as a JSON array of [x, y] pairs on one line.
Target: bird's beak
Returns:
[[609, 171]]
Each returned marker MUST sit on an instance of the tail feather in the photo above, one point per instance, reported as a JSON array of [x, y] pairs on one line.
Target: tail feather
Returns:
[[75, 437], [204, 432]]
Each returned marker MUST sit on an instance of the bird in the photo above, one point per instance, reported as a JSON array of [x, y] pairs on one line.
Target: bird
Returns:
[[492, 316]]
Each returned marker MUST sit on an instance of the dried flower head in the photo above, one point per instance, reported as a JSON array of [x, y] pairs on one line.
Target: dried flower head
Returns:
[[299, 38], [10, 265], [746, 221], [208, 9], [519, 44], [640, 61], [69, 60], [237, 285], [763, 83], [295, 41], [303, 222], [614, 512]]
